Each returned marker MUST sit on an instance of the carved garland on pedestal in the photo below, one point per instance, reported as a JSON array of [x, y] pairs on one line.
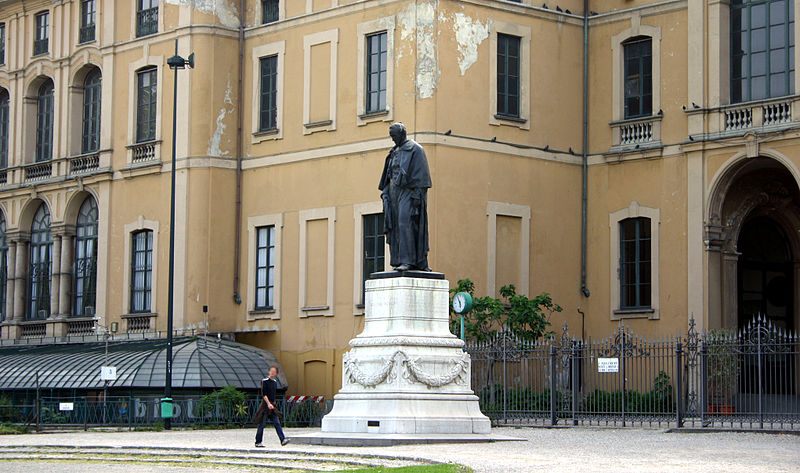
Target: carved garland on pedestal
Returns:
[[413, 370]]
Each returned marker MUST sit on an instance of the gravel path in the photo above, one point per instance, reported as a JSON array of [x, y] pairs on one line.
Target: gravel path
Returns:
[[574, 449]]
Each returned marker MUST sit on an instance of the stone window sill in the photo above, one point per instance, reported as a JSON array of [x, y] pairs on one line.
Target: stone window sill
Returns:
[[509, 118]]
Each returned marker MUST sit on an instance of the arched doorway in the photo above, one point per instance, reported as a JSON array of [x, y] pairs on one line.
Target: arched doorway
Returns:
[[766, 279], [753, 245]]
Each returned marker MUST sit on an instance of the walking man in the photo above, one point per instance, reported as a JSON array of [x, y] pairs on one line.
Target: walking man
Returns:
[[267, 409]]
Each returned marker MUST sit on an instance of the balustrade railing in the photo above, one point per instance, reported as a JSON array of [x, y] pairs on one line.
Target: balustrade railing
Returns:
[[34, 330], [39, 171], [636, 132], [144, 152], [139, 323], [80, 327], [738, 118], [84, 163]]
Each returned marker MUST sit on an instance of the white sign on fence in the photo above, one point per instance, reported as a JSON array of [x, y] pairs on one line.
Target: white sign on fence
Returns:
[[608, 365], [108, 373], [65, 406]]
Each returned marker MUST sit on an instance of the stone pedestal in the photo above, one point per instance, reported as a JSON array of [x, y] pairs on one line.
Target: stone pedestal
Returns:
[[406, 373]]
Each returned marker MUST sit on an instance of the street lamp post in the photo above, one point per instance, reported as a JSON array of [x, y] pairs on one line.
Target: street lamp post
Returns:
[[175, 63]]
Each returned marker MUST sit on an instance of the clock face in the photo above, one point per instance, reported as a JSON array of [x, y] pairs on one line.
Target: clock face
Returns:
[[459, 302]]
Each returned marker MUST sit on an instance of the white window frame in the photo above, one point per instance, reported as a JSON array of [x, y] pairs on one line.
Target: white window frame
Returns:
[[632, 211], [359, 211], [253, 224], [524, 33], [329, 214], [309, 41], [363, 30], [493, 210], [130, 229], [277, 48]]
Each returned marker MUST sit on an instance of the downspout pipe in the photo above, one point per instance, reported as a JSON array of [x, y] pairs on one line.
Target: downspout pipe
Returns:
[[237, 231], [585, 148]]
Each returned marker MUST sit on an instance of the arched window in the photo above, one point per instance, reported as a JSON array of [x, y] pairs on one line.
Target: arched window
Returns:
[[90, 138], [762, 49], [3, 266], [4, 101], [40, 262], [86, 259], [44, 122]]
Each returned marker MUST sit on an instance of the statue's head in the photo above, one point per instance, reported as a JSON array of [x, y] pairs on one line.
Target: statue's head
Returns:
[[398, 133]]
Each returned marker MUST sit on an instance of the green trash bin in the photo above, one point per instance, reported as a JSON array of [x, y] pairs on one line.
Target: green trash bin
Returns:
[[166, 408]]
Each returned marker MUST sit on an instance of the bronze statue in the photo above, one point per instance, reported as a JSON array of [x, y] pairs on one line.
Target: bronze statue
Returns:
[[404, 191]]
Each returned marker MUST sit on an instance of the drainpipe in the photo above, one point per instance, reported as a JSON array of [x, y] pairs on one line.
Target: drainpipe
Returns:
[[239, 150], [585, 167]]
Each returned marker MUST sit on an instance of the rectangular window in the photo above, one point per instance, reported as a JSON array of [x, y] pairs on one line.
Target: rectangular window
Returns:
[[42, 35], [88, 13], [146, 96], [2, 43], [762, 49], [269, 12], [4, 109], [265, 268], [141, 271], [634, 263], [508, 56], [374, 247], [146, 17], [376, 72], [44, 122], [269, 94], [638, 77]]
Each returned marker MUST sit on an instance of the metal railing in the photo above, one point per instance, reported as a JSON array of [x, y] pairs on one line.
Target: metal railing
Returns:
[[145, 411], [86, 34], [745, 379], [40, 46], [147, 22]]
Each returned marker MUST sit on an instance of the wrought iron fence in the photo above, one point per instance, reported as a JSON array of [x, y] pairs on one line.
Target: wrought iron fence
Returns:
[[138, 412], [734, 379]]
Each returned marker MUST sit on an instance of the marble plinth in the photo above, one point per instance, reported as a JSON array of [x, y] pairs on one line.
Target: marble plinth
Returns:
[[406, 373]]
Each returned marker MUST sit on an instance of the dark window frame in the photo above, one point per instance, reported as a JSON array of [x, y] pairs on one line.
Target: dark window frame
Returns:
[[88, 24], [638, 77], [265, 265], [373, 247], [146, 17], [41, 34], [40, 265], [44, 121], [376, 74], [85, 269], [635, 270], [146, 107], [141, 285], [3, 267], [5, 109], [92, 105], [509, 55], [761, 38], [270, 11], [268, 95], [2, 43]]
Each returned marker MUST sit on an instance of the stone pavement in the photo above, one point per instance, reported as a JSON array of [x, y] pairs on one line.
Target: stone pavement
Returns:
[[573, 449]]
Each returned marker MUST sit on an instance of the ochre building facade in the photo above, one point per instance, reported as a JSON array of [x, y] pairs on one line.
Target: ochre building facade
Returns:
[[689, 167]]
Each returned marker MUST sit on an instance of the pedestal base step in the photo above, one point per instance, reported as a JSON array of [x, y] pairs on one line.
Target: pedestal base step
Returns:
[[348, 439]]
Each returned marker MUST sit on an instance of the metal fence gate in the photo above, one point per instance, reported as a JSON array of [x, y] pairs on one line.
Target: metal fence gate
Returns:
[[744, 379]]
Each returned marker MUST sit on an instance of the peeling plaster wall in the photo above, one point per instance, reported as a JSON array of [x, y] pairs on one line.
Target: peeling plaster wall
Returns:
[[223, 9], [418, 20], [215, 141], [469, 35]]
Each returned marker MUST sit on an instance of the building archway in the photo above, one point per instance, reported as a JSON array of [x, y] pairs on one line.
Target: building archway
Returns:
[[753, 245]]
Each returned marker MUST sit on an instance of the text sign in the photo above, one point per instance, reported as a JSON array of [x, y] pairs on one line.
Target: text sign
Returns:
[[608, 365], [65, 406], [108, 373]]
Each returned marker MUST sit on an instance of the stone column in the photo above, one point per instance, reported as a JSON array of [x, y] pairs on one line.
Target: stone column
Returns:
[[10, 280], [20, 274], [67, 258], [55, 274]]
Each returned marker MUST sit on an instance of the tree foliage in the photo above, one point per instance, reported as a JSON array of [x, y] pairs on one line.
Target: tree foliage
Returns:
[[527, 318]]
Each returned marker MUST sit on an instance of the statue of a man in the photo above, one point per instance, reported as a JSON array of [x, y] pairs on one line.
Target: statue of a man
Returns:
[[404, 190]]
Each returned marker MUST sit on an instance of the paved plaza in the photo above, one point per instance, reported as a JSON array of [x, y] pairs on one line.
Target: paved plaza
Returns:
[[575, 449]]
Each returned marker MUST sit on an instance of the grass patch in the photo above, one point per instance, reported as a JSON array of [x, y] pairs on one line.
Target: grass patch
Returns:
[[13, 429], [442, 468], [157, 427]]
